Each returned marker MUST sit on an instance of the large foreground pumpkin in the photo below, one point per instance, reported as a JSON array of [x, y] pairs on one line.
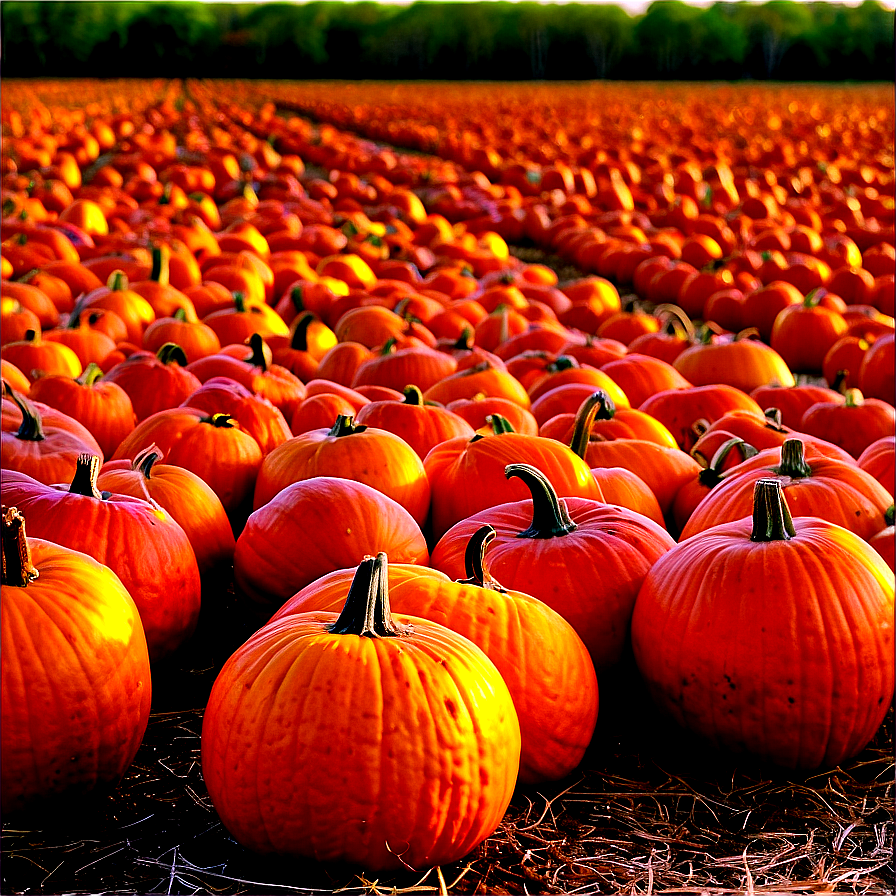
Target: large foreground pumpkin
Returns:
[[359, 738], [76, 684], [771, 635]]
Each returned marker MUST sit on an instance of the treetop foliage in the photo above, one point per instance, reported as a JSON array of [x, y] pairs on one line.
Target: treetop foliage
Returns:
[[428, 39]]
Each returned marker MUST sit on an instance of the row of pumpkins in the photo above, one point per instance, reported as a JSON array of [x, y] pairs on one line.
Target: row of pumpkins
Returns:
[[349, 436]]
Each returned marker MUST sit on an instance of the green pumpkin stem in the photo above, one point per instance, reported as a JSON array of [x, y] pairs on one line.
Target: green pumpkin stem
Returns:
[[474, 560], [299, 338], [86, 473], [32, 428], [388, 346], [550, 517], [257, 359], [793, 460], [597, 406], [464, 342], [367, 612], [159, 270], [345, 426], [180, 314], [771, 515], [92, 372], [561, 362], [413, 395], [117, 282], [713, 473], [239, 302], [854, 398], [889, 515], [17, 570], [172, 353]]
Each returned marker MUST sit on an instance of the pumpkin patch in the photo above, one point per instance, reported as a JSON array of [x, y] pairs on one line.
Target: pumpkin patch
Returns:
[[401, 422]]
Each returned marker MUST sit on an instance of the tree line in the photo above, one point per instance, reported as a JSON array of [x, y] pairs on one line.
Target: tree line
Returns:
[[779, 39]]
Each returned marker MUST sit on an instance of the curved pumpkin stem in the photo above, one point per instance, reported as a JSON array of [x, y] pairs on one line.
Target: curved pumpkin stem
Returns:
[[84, 480], [160, 268], [172, 353], [677, 322], [413, 396], [92, 373], [345, 426], [299, 338], [18, 570], [771, 515], [713, 474], [31, 428], [550, 517], [146, 459], [257, 359], [367, 612], [219, 420], [597, 406], [793, 460], [474, 560]]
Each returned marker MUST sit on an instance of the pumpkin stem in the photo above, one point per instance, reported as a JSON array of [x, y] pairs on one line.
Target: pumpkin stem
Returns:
[[676, 321], [771, 515], [889, 515], [839, 382], [550, 517], [145, 460], [464, 341], [92, 372], [413, 395], [499, 424], [712, 474], [17, 570], [388, 346], [221, 421], [299, 338], [84, 480], [774, 419], [793, 460], [159, 270], [32, 429], [474, 560], [561, 362], [180, 314], [117, 282], [597, 406], [172, 353], [367, 612], [256, 359], [854, 398], [345, 426], [295, 296], [239, 302]]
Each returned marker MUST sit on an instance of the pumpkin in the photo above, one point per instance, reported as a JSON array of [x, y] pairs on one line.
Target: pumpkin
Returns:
[[815, 485], [467, 475], [770, 635], [336, 522], [582, 557], [852, 423], [155, 382], [137, 540], [642, 376], [679, 409], [101, 406], [188, 499], [76, 686], [879, 459], [256, 415], [40, 440], [540, 657], [421, 425], [213, 446], [366, 454], [792, 401], [387, 744], [665, 470]]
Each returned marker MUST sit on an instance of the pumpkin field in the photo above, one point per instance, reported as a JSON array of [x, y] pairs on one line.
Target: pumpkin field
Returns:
[[440, 487]]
